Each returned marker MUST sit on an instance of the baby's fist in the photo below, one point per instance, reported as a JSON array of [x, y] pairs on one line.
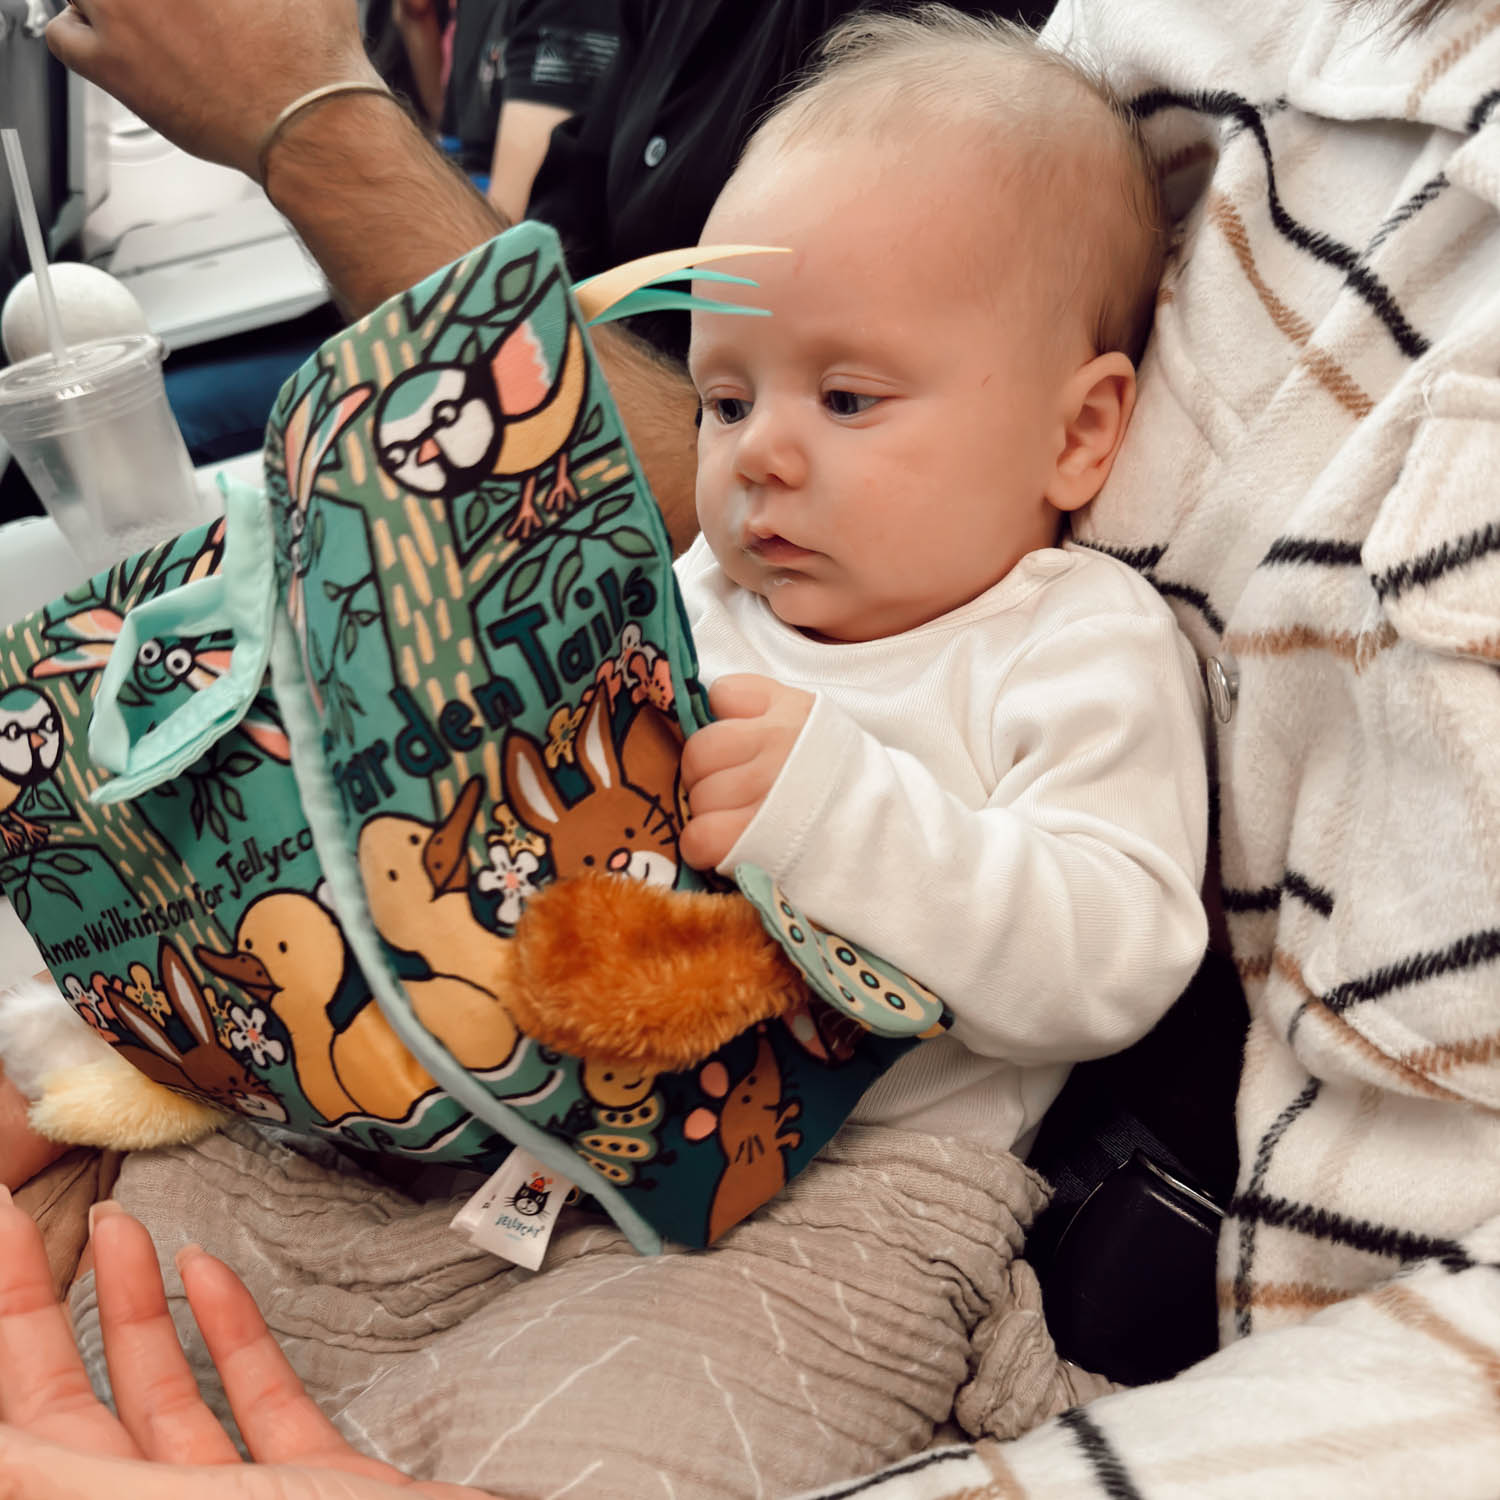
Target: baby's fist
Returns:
[[729, 767]]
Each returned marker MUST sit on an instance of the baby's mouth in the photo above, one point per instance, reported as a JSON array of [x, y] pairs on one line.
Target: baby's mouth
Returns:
[[775, 551]]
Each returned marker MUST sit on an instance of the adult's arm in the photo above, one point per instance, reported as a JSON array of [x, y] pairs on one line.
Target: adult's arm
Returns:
[[376, 205], [1391, 1394]]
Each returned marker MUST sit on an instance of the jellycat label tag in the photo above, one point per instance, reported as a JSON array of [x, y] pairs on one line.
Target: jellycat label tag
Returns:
[[514, 1213]]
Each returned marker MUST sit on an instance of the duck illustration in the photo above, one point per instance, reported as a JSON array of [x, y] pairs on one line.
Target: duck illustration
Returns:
[[416, 879], [290, 956], [30, 747], [442, 429]]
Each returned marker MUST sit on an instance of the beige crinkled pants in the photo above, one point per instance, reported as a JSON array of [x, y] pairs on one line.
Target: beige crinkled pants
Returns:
[[830, 1333]]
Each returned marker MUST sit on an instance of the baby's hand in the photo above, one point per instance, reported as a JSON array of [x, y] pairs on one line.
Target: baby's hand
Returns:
[[729, 766]]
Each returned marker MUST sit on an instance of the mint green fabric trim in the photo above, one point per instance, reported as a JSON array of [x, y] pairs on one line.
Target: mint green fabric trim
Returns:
[[320, 806], [239, 598]]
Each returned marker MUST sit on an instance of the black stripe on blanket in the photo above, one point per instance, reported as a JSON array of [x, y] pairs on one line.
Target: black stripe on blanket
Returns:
[[1189, 595], [1268, 1144], [1467, 953], [1482, 110], [1221, 103], [1358, 1234], [1408, 210], [1109, 1469], [1299, 549], [1268, 897], [911, 1466], [1142, 559], [1444, 559]]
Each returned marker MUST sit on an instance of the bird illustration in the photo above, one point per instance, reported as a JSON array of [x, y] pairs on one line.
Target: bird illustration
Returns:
[[31, 745], [442, 429], [416, 879], [85, 639], [290, 956]]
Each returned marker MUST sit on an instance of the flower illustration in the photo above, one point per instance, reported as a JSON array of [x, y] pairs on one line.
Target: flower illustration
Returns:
[[516, 837], [249, 1035], [142, 991], [562, 730], [510, 876], [90, 1003], [653, 681], [260, 1106]]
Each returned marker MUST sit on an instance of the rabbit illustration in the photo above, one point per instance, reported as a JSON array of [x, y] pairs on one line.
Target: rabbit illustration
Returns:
[[203, 1067], [627, 823]]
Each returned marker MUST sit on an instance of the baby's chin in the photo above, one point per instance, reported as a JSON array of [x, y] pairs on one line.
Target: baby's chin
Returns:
[[807, 608]]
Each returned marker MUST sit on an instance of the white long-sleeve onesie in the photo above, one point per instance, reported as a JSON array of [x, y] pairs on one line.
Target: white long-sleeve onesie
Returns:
[[1008, 802]]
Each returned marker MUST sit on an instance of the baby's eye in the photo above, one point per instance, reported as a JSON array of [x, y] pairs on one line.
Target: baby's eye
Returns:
[[728, 409], [848, 403]]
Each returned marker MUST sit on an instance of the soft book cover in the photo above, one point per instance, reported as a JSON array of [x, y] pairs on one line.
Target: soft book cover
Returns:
[[358, 722]]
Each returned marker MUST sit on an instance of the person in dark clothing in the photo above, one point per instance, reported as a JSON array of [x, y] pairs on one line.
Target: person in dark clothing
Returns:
[[638, 170]]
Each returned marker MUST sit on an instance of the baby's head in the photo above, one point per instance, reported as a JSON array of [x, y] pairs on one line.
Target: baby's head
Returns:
[[975, 237]]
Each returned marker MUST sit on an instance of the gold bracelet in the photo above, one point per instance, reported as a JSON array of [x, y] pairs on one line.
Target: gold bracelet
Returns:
[[306, 101]]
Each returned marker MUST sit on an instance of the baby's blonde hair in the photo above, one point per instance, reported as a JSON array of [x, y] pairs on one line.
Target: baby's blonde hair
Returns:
[[884, 78]]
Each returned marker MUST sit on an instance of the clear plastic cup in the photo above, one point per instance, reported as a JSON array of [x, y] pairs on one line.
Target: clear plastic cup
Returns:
[[96, 438]]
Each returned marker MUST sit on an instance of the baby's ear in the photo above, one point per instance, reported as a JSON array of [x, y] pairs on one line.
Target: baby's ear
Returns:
[[1096, 404]]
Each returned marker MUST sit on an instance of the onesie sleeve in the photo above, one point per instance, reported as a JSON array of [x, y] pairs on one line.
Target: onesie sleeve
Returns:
[[1060, 919]]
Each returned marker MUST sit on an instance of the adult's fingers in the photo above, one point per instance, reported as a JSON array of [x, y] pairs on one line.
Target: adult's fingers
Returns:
[[43, 1386], [155, 1392], [280, 1422]]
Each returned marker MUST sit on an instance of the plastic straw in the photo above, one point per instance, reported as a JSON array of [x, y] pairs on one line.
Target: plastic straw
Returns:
[[31, 227]]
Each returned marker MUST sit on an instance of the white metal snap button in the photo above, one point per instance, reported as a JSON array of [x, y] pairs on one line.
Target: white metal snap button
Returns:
[[1223, 682], [656, 149]]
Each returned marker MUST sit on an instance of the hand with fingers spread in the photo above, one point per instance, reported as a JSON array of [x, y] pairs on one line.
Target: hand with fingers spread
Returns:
[[729, 766], [212, 77], [58, 1441]]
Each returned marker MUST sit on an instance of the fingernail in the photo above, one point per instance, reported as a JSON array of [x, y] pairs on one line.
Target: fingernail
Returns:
[[101, 1210], [189, 1252], [4, 1194]]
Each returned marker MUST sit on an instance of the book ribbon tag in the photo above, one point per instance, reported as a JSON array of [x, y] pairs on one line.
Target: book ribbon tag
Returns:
[[514, 1213]]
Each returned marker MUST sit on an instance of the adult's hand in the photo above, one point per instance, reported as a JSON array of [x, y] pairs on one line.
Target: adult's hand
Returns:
[[211, 75], [57, 1441]]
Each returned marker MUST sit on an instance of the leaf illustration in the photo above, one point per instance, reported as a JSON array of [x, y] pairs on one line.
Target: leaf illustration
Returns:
[[629, 542], [523, 580], [364, 617], [241, 763], [475, 514], [196, 812], [21, 901], [218, 825], [53, 884], [350, 637], [594, 425], [616, 505], [69, 864], [567, 576], [330, 589], [233, 802], [514, 280]]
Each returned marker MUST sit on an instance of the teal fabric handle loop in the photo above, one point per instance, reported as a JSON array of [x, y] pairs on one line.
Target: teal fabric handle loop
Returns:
[[238, 598]]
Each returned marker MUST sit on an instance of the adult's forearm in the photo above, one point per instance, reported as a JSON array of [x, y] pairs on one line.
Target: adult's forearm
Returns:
[[376, 205], [658, 403]]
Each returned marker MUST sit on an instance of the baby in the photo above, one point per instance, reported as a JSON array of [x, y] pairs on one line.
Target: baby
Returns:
[[951, 736]]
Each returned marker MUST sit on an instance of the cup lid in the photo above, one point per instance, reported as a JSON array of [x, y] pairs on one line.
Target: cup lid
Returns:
[[98, 362]]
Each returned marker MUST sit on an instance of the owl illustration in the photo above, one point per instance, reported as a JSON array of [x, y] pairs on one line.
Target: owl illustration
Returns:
[[31, 744]]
